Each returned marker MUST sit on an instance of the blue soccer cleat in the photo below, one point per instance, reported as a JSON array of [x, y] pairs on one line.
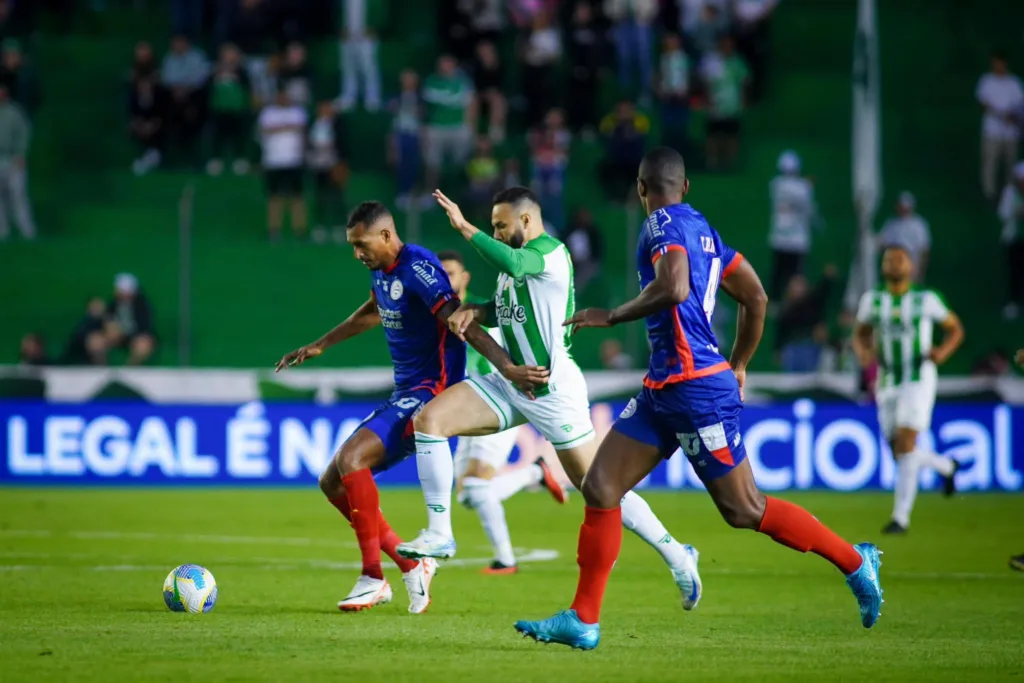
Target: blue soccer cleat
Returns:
[[865, 586], [564, 628]]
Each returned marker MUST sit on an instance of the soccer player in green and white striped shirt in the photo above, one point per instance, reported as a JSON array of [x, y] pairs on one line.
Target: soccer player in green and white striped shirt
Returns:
[[895, 324], [534, 298]]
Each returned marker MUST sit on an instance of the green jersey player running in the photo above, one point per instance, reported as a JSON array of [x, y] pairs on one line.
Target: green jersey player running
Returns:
[[895, 324], [534, 298]]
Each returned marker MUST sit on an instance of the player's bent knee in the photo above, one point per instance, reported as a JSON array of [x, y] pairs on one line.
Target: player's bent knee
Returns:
[[429, 422], [475, 492], [743, 515], [598, 492]]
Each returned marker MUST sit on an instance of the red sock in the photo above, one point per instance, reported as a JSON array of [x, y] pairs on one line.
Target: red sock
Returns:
[[796, 528], [600, 541], [389, 541], [364, 500], [341, 503]]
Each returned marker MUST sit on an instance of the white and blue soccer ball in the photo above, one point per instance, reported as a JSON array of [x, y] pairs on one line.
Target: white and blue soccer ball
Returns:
[[190, 588]]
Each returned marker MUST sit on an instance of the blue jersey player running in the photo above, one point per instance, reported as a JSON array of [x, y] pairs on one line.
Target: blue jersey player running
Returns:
[[691, 399], [412, 299]]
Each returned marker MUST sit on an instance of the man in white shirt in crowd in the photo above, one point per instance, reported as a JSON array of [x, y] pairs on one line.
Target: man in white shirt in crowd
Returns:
[[911, 231], [1011, 213], [793, 211], [360, 23], [282, 127], [1002, 97]]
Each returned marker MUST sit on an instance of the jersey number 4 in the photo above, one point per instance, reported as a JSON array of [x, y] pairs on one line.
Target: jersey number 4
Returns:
[[709, 294]]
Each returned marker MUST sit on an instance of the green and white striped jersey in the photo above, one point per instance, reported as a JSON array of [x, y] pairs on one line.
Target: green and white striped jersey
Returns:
[[903, 327], [531, 309]]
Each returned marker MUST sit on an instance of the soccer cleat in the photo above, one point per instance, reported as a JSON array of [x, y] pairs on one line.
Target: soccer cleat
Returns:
[[688, 579], [556, 490], [368, 592], [497, 567], [949, 483], [565, 628], [894, 527], [417, 583], [1017, 562], [865, 585], [428, 544]]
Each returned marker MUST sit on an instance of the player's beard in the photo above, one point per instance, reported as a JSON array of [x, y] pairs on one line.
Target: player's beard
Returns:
[[516, 240]]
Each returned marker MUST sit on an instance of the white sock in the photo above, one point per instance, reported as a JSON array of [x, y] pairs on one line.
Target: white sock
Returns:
[[638, 518], [437, 472], [479, 495], [940, 463], [511, 483], [908, 468]]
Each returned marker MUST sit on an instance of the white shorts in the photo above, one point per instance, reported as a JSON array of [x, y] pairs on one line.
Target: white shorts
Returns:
[[908, 405], [562, 416], [493, 449]]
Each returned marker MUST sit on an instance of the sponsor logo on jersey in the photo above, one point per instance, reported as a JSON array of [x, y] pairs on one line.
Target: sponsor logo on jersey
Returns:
[[426, 272], [508, 314], [396, 290], [690, 443], [707, 244]]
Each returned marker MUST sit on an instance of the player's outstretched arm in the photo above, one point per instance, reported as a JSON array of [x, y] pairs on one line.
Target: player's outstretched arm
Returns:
[[863, 342], [362, 319], [952, 338], [468, 313], [745, 288], [526, 378]]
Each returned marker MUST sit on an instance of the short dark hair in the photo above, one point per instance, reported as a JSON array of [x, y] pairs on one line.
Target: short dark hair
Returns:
[[663, 171], [367, 213], [999, 54], [451, 255], [515, 195]]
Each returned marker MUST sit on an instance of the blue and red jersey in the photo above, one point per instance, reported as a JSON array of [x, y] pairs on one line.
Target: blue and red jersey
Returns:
[[683, 347], [408, 295]]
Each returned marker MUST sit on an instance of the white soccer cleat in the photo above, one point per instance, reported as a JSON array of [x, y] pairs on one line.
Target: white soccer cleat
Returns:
[[428, 544], [368, 592], [687, 578], [417, 583]]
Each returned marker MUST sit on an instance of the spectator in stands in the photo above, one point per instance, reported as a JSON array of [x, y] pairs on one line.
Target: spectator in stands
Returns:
[[585, 48], [1011, 213], [19, 77], [753, 40], [143, 62], [129, 320], [252, 31], [296, 76], [325, 158], [230, 104], [704, 31], [87, 344], [802, 332], [486, 21], [489, 80], [909, 230], [625, 137], [33, 350], [282, 127], [793, 212], [586, 246], [613, 356], [549, 158], [184, 72], [361, 22], [147, 110], [1002, 98], [673, 89], [542, 50], [14, 142], [483, 174], [404, 148], [448, 95], [633, 32], [510, 173], [726, 76]]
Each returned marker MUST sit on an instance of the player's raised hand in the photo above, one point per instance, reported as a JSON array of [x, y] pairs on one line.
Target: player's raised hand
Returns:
[[455, 216], [588, 317], [460, 320], [527, 378], [298, 356]]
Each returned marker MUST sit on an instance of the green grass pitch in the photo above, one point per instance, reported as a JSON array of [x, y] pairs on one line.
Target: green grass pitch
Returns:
[[82, 570]]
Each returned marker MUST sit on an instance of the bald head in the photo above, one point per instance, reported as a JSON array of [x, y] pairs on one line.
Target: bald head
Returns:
[[663, 173]]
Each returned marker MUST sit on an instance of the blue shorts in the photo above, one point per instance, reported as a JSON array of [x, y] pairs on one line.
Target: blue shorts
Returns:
[[391, 421], [700, 416]]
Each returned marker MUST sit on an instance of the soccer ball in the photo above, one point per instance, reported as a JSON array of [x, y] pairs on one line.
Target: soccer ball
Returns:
[[190, 588]]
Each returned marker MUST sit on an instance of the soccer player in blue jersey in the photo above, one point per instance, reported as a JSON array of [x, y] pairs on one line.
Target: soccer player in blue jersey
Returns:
[[692, 398], [412, 299]]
